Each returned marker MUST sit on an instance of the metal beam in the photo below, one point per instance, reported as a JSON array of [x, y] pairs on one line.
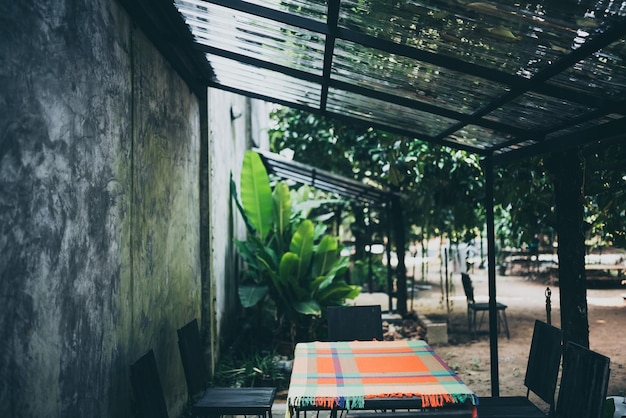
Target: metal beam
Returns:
[[491, 272]]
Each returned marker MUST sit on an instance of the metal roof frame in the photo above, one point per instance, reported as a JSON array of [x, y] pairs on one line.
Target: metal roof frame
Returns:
[[326, 72], [493, 78], [325, 180]]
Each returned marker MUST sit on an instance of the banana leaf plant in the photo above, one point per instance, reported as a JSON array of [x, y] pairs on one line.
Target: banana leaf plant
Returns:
[[289, 258]]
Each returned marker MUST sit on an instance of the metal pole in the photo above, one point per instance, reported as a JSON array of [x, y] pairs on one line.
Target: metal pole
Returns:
[[388, 249], [548, 306], [446, 282], [491, 267]]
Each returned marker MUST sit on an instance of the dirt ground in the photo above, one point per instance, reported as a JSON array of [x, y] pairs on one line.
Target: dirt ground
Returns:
[[526, 302]]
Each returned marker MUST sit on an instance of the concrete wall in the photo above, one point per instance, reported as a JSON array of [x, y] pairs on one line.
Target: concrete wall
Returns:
[[231, 117], [100, 209]]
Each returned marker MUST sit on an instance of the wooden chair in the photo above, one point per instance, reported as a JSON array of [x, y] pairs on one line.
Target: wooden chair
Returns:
[[541, 377], [474, 307], [583, 388], [350, 323], [584, 383], [147, 389], [190, 349], [217, 401]]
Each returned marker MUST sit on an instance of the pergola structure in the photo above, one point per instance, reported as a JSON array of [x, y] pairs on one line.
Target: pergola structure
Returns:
[[505, 80]]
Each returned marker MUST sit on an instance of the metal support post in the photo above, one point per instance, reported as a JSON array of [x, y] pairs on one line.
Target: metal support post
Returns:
[[548, 306]]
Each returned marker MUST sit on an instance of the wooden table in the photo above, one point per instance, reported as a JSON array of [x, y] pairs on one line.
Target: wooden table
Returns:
[[374, 375]]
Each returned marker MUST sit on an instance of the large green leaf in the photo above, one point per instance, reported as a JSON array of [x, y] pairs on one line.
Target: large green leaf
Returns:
[[282, 210], [337, 294], [288, 281], [288, 268], [309, 307], [256, 193], [254, 251], [233, 195], [302, 244], [325, 256], [250, 295]]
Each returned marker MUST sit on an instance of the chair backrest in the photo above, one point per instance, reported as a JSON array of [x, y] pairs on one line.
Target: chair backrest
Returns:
[[190, 347], [147, 389], [350, 323], [584, 382], [544, 361], [468, 287]]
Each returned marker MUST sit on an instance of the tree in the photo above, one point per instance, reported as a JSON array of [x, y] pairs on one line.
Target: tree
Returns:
[[443, 187], [567, 174], [524, 193], [577, 194]]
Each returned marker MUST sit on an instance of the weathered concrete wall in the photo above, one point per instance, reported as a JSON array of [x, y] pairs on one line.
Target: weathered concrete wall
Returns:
[[231, 119], [164, 265], [99, 209]]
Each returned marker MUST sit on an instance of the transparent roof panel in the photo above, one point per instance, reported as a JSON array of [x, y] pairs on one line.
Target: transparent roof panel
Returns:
[[602, 74], [411, 79], [312, 9], [515, 146], [252, 36], [587, 125], [516, 37], [533, 111], [479, 137], [267, 83], [378, 111], [423, 67]]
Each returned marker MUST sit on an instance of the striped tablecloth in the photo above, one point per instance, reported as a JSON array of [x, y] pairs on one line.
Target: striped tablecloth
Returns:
[[344, 374]]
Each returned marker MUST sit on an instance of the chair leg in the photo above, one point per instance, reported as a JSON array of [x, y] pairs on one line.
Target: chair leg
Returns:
[[502, 323], [482, 318], [474, 328], [506, 324]]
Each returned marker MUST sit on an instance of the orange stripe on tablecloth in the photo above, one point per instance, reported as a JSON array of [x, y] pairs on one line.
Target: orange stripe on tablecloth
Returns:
[[390, 364], [400, 379], [325, 365]]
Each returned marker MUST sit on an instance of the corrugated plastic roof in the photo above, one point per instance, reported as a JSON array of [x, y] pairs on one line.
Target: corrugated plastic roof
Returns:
[[496, 78]]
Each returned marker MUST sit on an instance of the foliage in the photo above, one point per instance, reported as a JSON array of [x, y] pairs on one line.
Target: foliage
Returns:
[[605, 191], [361, 272], [443, 187], [251, 368], [289, 258], [525, 196]]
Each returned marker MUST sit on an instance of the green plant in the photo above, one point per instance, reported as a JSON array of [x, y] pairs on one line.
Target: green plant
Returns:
[[251, 368], [361, 272], [289, 259], [476, 364]]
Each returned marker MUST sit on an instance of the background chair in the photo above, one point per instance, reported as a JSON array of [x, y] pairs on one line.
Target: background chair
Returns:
[[474, 307], [583, 387], [584, 383], [190, 348], [146, 386], [217, 401], [350, 323], [541, 376]]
